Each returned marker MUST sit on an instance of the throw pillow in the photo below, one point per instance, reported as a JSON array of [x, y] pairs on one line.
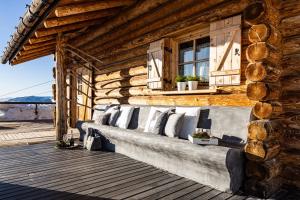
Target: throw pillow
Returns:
[[114, 114], [151, 114], [102, 118], [174, 124], [125, 116], [158, 122], [190, 120]]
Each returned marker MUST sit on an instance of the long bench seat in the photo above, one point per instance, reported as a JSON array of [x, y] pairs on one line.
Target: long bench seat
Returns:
[[217, 166]]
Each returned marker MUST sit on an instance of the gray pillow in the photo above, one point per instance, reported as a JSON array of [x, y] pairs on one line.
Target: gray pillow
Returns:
[[174, 124], [114, 114], [102, 118], [158, 122]]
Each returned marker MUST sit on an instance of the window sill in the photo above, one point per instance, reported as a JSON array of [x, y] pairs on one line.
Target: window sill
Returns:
[[203, 91]]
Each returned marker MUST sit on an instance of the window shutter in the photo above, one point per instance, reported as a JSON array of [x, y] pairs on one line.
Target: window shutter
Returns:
[[157, 64], [225, 52]]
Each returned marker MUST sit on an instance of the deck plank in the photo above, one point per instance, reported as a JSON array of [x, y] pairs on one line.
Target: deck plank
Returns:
[[42, 172]]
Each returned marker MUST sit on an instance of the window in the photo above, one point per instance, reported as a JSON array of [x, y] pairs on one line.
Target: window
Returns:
[[194, 59]]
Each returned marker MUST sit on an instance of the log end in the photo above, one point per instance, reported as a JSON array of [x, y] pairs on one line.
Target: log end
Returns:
[[259, 33], [257, 52], [256, 72], [257, 91], [254, 12]]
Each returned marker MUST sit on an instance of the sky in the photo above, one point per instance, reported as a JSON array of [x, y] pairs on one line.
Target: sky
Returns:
[[14, 78]]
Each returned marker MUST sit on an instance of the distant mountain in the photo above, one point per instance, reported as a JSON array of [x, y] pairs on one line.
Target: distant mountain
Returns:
[[31, 99]]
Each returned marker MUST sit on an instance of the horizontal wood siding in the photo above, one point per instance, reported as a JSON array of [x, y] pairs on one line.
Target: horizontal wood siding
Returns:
[[123, 74]]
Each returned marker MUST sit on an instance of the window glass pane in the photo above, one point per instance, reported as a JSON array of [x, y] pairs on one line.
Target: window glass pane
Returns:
[[202, 49], [186, 52], [186, 70], [202, 71]]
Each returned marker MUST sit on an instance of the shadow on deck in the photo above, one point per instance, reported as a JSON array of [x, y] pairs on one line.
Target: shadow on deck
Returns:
[[42, 172]]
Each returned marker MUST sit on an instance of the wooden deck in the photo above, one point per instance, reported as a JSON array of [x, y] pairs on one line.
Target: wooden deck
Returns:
[[27, 132], [42, 172]]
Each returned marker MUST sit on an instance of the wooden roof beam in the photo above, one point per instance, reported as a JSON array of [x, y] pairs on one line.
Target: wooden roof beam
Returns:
[[33, 51], [22, 60], [35, 54], [35, 40], [138, 9], [60, 21], [70, 27], [38, 45], [89, 7]]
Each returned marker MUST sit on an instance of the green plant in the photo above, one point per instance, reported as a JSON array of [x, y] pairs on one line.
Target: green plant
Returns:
[[192, 78], [180, 78]]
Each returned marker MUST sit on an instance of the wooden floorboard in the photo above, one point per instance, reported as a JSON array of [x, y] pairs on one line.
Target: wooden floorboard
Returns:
[[40, 171]]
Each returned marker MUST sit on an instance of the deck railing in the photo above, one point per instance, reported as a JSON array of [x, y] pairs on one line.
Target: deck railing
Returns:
[[26, 111]]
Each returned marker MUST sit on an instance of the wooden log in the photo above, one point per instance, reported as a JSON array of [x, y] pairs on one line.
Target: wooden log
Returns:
[[222, 12], [22, 60], [261, 12], [263, 189], [124, 73], [290, 138], [290, 64], [36, 54], [135, 62], [140, 8], [125, 92], [89, 7], [291, 45], [291, 176], [132, 81], [38, 50], [34, 40], [61, 103], [264, 130], [39, 45], [291, 83], [54, 91], [42, 32], [263, 171], [263, 71], [73, 102], [265, 33], [260, 91], [261, 151], [290, 26], [267, 110], [262, 51], [61, 21], [182, 100], [166, 14], [291, 123]]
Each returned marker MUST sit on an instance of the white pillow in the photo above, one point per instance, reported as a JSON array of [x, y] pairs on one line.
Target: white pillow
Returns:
[[151, 115], [125, 116], [190, 120]]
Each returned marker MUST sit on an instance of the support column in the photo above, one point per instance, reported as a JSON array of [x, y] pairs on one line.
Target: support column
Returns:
[[61, 102], [73, 98]]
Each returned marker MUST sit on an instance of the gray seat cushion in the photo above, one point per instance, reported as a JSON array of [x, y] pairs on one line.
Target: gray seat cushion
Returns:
[[216, 166]]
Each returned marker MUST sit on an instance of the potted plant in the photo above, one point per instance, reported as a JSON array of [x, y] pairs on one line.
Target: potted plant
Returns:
[[181, 83], [192, 82]]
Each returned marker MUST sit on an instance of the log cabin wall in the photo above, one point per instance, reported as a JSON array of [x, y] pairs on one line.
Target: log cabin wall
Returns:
[[290, 140], [273, 81], [123, 75]]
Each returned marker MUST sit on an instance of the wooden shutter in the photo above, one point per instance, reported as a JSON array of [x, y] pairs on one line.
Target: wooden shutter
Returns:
[[157, 64], [225, 52]]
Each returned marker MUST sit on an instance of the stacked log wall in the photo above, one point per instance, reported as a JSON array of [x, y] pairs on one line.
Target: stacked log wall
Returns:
[[123, 76], [290, 139], [273, 81]]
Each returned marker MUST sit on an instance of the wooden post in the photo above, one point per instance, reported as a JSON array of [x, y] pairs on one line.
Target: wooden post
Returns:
[[61, 103], [73, 98]]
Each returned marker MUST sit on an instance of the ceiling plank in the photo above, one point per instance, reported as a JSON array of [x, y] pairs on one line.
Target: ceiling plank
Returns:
[[89, 7], [26, 59], [71, 27], [33, 51], [61, 21]]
